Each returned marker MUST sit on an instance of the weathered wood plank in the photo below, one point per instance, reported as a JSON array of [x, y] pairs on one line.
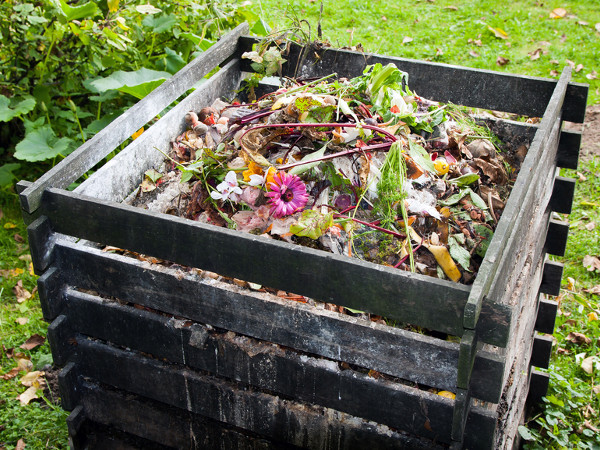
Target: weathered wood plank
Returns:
[[105, 141], [288, 421], [556, 237], [546, 316], [551, 278], [400, 353], [409, 297], [41, 243], [562, 195], [568, 149], [123, 173], [511, 215], [118, 415], [49, 285], [538, 386], [541, 352], [442, 82]]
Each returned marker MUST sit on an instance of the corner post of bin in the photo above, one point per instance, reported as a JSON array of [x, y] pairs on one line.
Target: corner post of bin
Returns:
[[105, 141]]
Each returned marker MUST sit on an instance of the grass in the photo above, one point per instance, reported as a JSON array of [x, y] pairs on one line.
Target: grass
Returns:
[[456, 32], [439, 33]]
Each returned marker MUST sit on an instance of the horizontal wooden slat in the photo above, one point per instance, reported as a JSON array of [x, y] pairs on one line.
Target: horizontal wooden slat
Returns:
[[411, 298], [442, 82], [422, 359], [123, 173], [105, 141]]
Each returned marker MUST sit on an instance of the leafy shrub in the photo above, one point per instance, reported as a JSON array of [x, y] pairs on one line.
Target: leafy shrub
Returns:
[[68, 69]]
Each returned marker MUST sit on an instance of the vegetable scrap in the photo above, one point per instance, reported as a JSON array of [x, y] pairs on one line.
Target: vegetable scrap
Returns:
[[361, 167]]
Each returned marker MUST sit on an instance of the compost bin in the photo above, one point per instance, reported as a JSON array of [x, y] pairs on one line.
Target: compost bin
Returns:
[[155, 356]]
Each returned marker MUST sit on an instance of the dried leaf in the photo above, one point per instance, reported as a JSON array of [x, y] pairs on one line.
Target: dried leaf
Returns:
[[9, 226], [593, 290], [578, 338], [570, 283], [24, 364], [147, 185], [558, 13], [588, 364], [583, 23], [20, 445], [590, 226], [137, 134], [592, 317], [451, 8], [11, 373], [502, 61], [21, 320], [570, 63], [407, 39], [28, 395], [597, 27], [474, 54], [18, 238], [35, 378], [535, 54], [593, 75], [20, 292], [554, 73], [33, 342], [591, 263]]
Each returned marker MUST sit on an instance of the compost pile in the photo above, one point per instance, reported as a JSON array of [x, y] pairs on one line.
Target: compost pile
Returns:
[[360, 167]]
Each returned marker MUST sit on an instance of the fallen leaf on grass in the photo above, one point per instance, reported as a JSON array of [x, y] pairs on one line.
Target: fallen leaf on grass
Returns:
[[588, 364], [592, 317], [563, 351], [535, 54], [476, 42], [558, 13], [11, 373], [554, 73], [20, 445], [451, 7], [583, 23], [591, 263], [498, 32], [570, 63], [9, 226], [407, 39], [578, 338], [593, 290], [474, 54], [18, 238], [20, 292], [35, 379], [28, 395], [590, 226], [570, 283], [593, 75], [597, 27], [578, 68], [501, 61], [33, 342], [21, 320], [596, 389]]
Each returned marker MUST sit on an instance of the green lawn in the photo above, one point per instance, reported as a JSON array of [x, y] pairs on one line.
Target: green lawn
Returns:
[[468, 33]]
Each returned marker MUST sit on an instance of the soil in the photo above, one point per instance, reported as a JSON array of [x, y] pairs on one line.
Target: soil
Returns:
[[590, 143]]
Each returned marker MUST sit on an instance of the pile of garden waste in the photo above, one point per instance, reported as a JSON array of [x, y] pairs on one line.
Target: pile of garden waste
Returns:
[[360, 167]]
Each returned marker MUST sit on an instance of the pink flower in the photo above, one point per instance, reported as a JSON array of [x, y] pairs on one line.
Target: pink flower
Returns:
[[287, 196]]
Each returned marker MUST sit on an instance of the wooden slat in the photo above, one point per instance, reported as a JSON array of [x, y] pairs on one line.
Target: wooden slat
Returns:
[[568, 150], [541, 352], [123, 173], [400, 353], [105, 141], [551, 278], [412, 298], [538, 387], [556, 238], [562, 195], [49, 285], [442, 82], [288, 421], [546, 316], [39, 234], [489, 269]]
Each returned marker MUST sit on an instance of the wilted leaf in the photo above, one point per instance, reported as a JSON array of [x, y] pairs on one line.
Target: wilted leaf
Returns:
[[113, 5], [570, 283], [11, 373], [558, 13], [578, 338], [592, 317], [33, 342], [591, 263], [498, 32], [34, 378], [137, 134], [451, 8], [570, 63], [458, 252], [21, 320], [20, 292], [579, 68], [24, 364], [593, 75], [597, 27], [312, 224], [20, 445], [588, 364], [593, 290], [474, 54], [501, 61], [28, 395], [407, 39], [9, 226], [554, 73], [41, 144], [535, 54], [476, 42]]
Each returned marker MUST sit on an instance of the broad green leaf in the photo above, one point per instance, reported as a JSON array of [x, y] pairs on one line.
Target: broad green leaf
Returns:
[[42, 144], [97, 125], [525, 433], [8, 112], [6, 173], [139, 83], [420, 156], [459, 253], [486, 234], [477, 200], [171, 62], [161, 23], [153, 175], [203, 43], [308, 161], [260, 27], [87, 10], [312, 224], [465, 180]]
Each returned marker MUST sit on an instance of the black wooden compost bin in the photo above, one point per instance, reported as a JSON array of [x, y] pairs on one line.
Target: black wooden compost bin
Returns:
[[156, 357]]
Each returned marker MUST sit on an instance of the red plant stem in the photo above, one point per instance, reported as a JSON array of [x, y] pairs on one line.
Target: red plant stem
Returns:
[[370, 225], [406, 257], [367, 148]]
